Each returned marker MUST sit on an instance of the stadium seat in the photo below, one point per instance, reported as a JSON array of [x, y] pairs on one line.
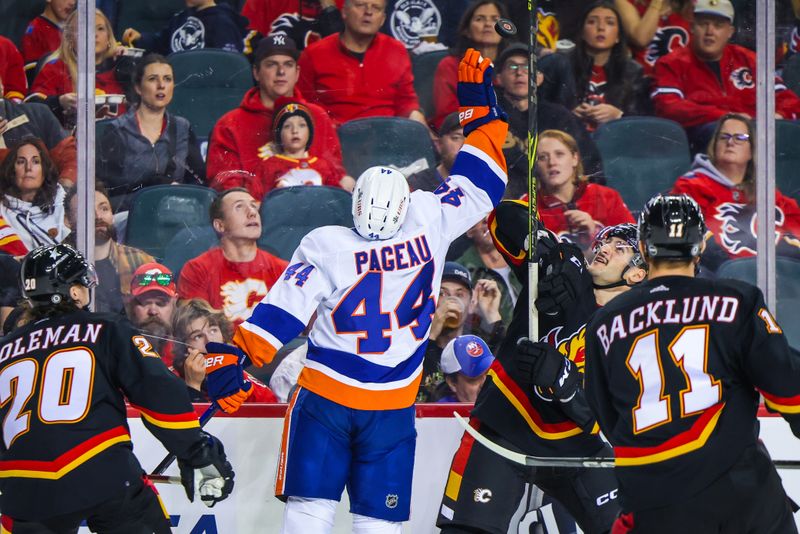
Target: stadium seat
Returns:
[[100, 129], [288, 214], [787, 156], [787, 273], [642, 156], [146, 15], [187, 244], [208, 83], [791, 73], [159, 212], [384, 141], [15, 16], [424, 67]]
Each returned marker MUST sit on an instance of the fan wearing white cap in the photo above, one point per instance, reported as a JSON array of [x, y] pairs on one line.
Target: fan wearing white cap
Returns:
[[465, 361], [373, 288]]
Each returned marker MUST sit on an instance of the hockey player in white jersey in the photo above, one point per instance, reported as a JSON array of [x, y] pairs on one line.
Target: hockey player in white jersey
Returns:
[[350, 422]]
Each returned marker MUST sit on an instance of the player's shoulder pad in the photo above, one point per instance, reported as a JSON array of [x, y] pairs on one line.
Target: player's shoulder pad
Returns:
[[325, 240], [748, 293]]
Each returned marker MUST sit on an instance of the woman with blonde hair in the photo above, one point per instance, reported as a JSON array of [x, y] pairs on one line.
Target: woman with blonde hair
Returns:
[[56, 84], [569, 205], [194, 324]]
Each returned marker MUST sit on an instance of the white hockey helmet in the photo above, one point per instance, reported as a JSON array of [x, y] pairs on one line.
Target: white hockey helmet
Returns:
[[380, 202]]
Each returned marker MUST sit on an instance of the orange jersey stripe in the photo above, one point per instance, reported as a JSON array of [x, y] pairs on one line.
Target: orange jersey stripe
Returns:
[[259, 350], [486, 137], [688, 441], [68, 461], [357, 398], [520, 401], [280, 479]]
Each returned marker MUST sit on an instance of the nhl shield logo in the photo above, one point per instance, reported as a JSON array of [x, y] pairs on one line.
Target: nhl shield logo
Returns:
[[391, 501]]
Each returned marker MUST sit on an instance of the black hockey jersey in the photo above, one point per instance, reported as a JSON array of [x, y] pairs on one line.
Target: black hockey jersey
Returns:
[[63, 382], [528, 417], [673, 371]]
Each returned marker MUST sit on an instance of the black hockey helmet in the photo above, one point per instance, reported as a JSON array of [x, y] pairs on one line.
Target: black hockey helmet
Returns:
[[48, 272], [625, 231], [672, 227]]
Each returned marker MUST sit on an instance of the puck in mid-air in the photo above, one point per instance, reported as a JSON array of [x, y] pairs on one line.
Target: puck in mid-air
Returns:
[[505, 28]]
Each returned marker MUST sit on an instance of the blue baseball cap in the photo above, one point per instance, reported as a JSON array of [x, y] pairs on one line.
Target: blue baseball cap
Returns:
[[466, 354]]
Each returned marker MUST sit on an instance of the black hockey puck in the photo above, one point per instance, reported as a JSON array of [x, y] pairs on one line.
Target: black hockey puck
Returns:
[[505, 28]]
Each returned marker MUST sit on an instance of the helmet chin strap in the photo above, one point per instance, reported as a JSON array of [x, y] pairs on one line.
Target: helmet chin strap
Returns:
[[619, 283]]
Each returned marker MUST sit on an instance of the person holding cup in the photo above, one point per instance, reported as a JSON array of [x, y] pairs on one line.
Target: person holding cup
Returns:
[[462, 308]]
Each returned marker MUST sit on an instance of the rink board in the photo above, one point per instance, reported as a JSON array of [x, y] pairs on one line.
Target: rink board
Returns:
[[252, 437]]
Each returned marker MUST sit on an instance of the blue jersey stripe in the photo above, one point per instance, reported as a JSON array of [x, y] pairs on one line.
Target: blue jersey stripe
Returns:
[[480, 174], [281, 324], [359, 369]]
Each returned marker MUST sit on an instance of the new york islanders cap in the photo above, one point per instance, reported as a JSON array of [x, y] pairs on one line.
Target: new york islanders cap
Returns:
[[720, 8], [466, 354], [275, 44], [457, 273], [153, 277]]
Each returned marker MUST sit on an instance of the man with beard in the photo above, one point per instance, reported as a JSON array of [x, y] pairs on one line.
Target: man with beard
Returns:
[[114, 262], [152, 302]]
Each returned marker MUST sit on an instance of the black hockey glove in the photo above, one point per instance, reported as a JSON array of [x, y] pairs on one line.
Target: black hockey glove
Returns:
[[540, 364], [565, 280], [206, 471]]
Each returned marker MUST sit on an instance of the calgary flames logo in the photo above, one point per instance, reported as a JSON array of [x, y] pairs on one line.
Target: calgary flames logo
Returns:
[[737, 231], [666, 40], [573, 347], [742, 78]]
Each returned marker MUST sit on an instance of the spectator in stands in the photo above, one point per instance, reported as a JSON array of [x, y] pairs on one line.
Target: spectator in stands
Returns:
[[722, 181], [56, 84], [203, 24], [242, 137], [12, 71], [424, 25], [20, 120], [114, 262], [31, 199], [448, 141], [194, 324], [569, 205], [360, 72], [304, 21], [483, 261], [608, 84], [465, 362], [10, 295], [655, 28], [475, 30], [697, 85], [43, 34], [460, 309], [151, 305], [235, 276], [512, 92], [148, 145]]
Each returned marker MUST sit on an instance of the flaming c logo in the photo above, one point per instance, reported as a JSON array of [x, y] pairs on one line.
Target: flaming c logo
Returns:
[[573, 347]]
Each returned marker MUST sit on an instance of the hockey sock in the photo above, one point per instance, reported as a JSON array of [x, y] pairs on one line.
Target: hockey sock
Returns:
[[302, 515], [370, 525]]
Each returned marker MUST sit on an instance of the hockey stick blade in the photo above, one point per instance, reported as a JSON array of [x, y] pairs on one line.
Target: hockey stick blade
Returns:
[[546, 461]]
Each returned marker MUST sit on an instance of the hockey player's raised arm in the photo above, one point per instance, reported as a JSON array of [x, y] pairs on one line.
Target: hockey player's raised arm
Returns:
[[772, 365], [478, 178], [284, 313]]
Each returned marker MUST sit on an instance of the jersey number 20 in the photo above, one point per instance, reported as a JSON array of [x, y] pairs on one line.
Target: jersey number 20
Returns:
[[66, 389], [689, 351]]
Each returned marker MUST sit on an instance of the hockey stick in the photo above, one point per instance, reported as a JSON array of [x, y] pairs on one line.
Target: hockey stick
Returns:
[[169, 458], [533, 141], [165, 479], [547, 461]]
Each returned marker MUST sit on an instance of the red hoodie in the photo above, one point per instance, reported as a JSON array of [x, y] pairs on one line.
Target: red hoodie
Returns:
[[12, 72], [240, 139]]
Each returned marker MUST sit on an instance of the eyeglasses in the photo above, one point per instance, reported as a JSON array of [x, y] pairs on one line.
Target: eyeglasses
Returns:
[[738, 138], [517, 68], [162, 279]]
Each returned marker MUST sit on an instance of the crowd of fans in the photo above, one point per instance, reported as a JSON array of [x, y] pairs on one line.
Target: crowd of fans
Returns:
[[317, 64]]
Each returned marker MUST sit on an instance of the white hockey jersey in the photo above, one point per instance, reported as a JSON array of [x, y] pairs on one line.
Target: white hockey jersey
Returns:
[[375, 299]]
